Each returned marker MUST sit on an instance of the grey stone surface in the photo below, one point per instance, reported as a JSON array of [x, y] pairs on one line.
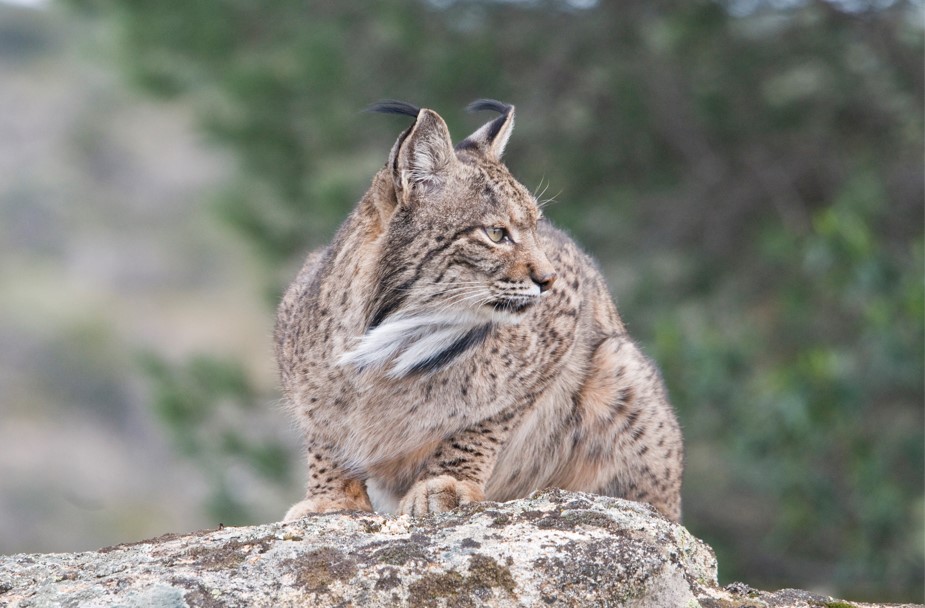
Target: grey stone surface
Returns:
[[555, 549]]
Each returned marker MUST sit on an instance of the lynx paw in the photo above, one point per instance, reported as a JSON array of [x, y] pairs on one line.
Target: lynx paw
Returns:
[[327, 505], [439, 494]]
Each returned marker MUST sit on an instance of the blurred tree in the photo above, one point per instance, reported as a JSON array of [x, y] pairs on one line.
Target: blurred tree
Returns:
[[749, 174], [206, 404]]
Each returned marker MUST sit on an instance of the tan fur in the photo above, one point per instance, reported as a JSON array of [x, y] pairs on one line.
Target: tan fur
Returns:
[[441, 493], [438, 367]]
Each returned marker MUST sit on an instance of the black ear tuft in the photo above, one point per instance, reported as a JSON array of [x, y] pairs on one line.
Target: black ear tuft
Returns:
[[489, 104], [393, 106], [490, 138]]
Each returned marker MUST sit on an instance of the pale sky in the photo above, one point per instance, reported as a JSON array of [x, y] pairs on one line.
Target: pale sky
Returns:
[[29, 3]]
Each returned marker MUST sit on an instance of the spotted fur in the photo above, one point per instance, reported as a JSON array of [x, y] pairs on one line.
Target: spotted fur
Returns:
[[432, 360]]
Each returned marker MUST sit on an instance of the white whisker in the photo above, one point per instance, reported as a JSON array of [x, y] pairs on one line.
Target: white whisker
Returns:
[[540, 185], [549, 201]]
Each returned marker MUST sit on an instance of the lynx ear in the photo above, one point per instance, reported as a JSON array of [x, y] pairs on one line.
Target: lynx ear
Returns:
[[423, 153], [421, 156], [492, 137]]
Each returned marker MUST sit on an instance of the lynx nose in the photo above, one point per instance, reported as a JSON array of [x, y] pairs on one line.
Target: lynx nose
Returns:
[[544, 282]]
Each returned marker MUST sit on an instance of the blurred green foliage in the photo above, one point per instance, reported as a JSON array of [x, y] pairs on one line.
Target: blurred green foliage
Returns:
[[204, 403], [748, 173]]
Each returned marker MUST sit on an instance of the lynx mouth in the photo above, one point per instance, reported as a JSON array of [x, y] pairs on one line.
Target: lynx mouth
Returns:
[[513, 304]]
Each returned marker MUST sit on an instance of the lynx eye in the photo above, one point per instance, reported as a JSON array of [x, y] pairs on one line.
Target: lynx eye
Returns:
[[496, 235]]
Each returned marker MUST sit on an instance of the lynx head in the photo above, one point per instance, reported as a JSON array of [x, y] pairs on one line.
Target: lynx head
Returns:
[[459, 244]]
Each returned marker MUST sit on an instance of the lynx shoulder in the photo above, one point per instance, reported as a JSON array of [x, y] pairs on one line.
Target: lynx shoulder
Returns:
[[450, 345]]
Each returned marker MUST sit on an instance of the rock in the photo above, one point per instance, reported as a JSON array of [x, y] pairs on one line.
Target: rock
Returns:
[[555, 549]]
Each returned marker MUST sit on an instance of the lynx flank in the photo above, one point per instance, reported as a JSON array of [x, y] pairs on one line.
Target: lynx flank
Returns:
[[450, 345]]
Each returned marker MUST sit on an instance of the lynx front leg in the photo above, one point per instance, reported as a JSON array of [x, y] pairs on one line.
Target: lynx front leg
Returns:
[[330, 488], [456, 472]]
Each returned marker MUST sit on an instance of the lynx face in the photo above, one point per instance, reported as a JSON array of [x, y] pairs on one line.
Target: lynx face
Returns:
[[486, 263], [459, 253]]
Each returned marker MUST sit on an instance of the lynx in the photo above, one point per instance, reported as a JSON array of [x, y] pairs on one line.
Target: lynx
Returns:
[[450, 346]]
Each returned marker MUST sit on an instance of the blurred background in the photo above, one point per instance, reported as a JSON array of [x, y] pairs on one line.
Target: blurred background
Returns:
[[749, 174]]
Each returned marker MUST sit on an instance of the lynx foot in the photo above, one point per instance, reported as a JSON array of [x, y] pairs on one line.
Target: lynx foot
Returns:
[[439, 494], [354, 498]]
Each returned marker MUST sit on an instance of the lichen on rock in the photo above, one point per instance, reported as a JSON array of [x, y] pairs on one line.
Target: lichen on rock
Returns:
[[554, 549]]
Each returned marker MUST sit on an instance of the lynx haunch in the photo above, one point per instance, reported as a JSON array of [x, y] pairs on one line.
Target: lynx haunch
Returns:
[[450, 345]]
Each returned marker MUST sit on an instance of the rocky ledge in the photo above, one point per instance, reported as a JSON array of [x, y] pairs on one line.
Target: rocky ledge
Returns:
[[555, 549]]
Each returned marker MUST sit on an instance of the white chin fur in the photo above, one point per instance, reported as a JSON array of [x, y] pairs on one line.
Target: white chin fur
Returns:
[[506, 317]]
